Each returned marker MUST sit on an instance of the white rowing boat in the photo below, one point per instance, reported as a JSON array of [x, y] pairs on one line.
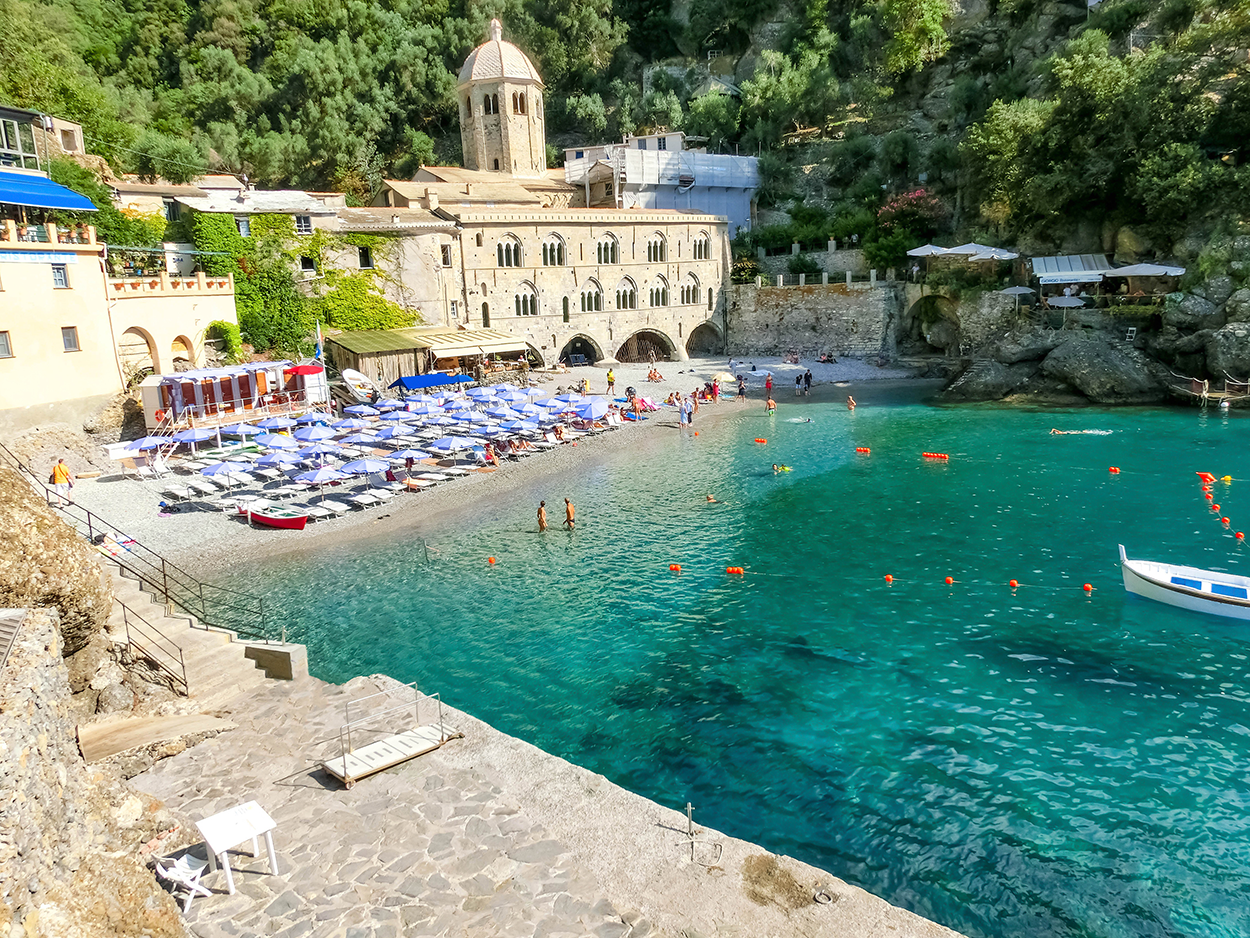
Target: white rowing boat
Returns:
[[1220, 594]]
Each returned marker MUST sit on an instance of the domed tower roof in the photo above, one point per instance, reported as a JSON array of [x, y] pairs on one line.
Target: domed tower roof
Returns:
[[496, 60]]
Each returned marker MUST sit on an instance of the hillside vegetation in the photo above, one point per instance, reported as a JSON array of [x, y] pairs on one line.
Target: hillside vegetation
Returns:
[[1124, 129]]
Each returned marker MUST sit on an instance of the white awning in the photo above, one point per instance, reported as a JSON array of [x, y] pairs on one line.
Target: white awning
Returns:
[[1146, 270], [1072, 276]]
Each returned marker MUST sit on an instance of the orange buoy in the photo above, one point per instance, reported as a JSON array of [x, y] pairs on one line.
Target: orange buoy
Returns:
[[889, 578], [1215, 507], [1013, 583], [950, 580], [1224, 520], [675, 567], [1240, 536], [1087, 588], [490, 559], [696, 432], [1206, 477], [862, 449], [935, 456], [1209, 497], [737, 570], [1114, 470], [1206, 488]]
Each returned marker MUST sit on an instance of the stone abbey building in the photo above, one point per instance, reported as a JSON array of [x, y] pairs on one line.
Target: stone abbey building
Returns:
[[509, 245]]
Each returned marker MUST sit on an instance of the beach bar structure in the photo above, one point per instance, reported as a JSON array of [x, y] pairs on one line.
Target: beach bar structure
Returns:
[[207, 397], [388, 355]]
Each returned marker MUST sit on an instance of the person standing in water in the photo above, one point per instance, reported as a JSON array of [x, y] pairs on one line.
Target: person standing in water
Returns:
[[850, 402], [742, 388], [542, 516], [568, 514], [770, 406]]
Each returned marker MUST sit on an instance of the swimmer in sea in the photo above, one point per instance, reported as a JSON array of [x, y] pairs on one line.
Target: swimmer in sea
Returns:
[[777, 468], [711, 500], [1057, 432], [850, 402]]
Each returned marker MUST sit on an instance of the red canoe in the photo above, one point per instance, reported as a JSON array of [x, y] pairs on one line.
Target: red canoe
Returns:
[[278, 518]]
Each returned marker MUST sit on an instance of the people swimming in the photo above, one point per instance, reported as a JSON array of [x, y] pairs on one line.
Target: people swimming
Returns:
[[780, 468], [1054, 431]]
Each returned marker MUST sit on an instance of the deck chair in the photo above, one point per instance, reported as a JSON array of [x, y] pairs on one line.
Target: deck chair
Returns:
[[378, 480], [184, 872]]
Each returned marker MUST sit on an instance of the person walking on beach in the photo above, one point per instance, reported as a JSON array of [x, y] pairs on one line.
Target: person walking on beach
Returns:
[[694, 406], [768, 385], [807, 382], [681, 412], [798, 385], [542, 517], [568, 514], [62, 481], [611, 381]]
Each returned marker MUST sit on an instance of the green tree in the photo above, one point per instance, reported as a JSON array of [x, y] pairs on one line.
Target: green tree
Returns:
[[918, 34], [714, 116]]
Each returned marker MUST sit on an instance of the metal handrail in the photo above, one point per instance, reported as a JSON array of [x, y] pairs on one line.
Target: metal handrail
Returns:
[[211, 605], [132, 619], [345, 730]]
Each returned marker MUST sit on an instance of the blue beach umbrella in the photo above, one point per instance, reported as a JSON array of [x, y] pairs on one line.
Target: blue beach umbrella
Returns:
[[321, 476], [358, 438], [531, 409], [457, 405], [148, 442], [514, 397], [194, 435], [320, 449], [226, 469], [277, 441], [277, 459], [308, 419], [313, 434], [351, 423], [365, 466], [241, 429], [389, 405], [502, 413], [275, 423], [442, 420], [480, 394], [396, 430], [569, 398], [519, 426], [399, 415], [451, 444], [361, 410], [592, 410], [425, 410], [506, 386], [471, 416], [410, 454]]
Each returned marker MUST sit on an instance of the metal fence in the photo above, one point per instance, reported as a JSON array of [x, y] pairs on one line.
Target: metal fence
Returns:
[[213, 606]]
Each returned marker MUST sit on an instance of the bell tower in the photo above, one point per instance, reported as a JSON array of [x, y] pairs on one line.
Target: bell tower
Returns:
[[502, 125]]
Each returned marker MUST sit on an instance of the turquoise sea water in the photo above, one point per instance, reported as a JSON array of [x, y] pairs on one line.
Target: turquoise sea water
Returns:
[[1037, 762]]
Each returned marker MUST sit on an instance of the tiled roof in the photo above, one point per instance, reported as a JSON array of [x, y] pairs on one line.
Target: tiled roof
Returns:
[[496, 59]]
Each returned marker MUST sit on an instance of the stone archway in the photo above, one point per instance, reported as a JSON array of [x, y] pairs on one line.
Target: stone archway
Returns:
[[136, 351], [581, 344], [643, 345], [705, 340], [182, 351], [932, 325], [534, 356]]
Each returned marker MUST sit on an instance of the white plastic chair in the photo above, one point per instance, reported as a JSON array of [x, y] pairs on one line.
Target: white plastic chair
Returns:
[[184, 871]]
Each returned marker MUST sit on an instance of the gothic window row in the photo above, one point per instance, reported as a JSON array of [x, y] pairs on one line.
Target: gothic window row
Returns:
[[608, 250], [518, 102], [659, 294], [702, 249], [526, 302], [490, 104], [657, 249], [626, 295], [553, 252], [592, 297], [508, 253], [690, 292]]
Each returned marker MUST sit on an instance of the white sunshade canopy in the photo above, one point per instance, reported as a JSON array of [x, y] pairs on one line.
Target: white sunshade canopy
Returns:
[[926, 250], [995, 254], [1072, 276], [1146, 270]]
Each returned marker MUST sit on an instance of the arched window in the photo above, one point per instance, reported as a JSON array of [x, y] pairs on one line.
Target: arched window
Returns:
[[709, 299], [494, 104], [657, 249], [592, 296], [690, 290], [702, 247], [554, 254], [468, 106], [626, 295], [485, 315], [566, 309], [522, 99], [659, 292], [608, 250], [515, 106], [526, 301], [508, 252], [479, 239]]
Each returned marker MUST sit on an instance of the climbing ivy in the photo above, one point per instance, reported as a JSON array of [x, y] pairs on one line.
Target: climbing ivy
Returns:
[[354, 299]]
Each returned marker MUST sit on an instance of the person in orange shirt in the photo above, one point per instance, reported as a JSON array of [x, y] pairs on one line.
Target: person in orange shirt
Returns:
[[62, 481]]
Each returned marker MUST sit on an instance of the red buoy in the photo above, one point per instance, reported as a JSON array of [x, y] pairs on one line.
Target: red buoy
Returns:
[[889, 578], [1114, 470], [1209, 497], [675, 567], [950, 580], [490, 559], [1224, 520], [862, 449], [1215, 507], [1013, 583], [1240, 536], [1087, 588]]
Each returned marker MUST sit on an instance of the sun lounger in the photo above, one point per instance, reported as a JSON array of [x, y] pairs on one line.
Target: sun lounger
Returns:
[[269, 474], [316, 512], [433, 477], [379, 481], [179, 492], [337, 507], [417, 484], [363, 500], [203, 486]]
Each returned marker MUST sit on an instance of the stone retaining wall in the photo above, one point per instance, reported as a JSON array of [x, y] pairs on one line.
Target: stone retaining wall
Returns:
[[69, 832], [858, 319], [835, 263]]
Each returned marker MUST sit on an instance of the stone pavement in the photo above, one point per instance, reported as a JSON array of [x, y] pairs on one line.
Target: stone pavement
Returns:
[[422, 849]]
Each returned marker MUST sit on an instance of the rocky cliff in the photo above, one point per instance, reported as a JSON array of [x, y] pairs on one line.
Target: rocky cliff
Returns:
[[70, 834]]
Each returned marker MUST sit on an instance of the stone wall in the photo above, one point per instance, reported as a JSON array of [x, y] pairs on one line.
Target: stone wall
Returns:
[[835, 263], [855, 320], [43, 562], [69, 833], [991, 316]]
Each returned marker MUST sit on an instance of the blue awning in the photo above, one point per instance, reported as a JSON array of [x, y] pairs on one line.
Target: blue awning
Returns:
[[429, 381], [40, 192]]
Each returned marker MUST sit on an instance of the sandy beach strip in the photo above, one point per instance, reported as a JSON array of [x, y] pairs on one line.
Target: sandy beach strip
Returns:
[[203, 540]]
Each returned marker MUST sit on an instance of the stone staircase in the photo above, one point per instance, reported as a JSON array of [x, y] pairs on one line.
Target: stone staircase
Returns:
[[217, 667]]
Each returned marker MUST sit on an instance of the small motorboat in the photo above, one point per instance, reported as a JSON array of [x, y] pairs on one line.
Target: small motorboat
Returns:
[[272, 517], [1220, 594]]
